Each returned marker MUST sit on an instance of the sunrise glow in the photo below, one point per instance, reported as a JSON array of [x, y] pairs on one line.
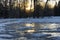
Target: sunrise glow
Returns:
[[29, 6], [51, 4]]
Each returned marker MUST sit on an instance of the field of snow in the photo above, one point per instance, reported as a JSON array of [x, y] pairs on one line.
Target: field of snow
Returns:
[[10, 29]]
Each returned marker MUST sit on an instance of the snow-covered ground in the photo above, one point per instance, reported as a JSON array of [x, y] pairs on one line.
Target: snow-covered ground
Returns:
[[45, 19], [6, 23]]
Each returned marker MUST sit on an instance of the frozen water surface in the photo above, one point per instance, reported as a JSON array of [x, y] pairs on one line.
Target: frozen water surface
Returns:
[[47, 28]]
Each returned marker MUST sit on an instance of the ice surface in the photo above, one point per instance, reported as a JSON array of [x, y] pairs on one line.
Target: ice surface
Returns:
[[5, 22]]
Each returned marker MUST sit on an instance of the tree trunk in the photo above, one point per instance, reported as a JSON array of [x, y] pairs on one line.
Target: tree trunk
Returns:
[[5, 15]]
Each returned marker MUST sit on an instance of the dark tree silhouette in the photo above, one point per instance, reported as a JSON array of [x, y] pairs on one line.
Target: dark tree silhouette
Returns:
[[56, 10], [59, 8], [5, 15], [1, 10], [16, 12], [34, 9], [45, 12]]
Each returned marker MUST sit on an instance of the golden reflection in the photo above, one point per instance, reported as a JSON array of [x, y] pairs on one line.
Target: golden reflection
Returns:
[[30, 25], [53, 25], [30, 30]]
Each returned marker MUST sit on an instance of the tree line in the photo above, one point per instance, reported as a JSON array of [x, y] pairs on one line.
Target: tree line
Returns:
[[11, 12]]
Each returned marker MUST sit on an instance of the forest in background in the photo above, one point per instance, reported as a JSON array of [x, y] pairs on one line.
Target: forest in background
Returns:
[[28, 8]]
